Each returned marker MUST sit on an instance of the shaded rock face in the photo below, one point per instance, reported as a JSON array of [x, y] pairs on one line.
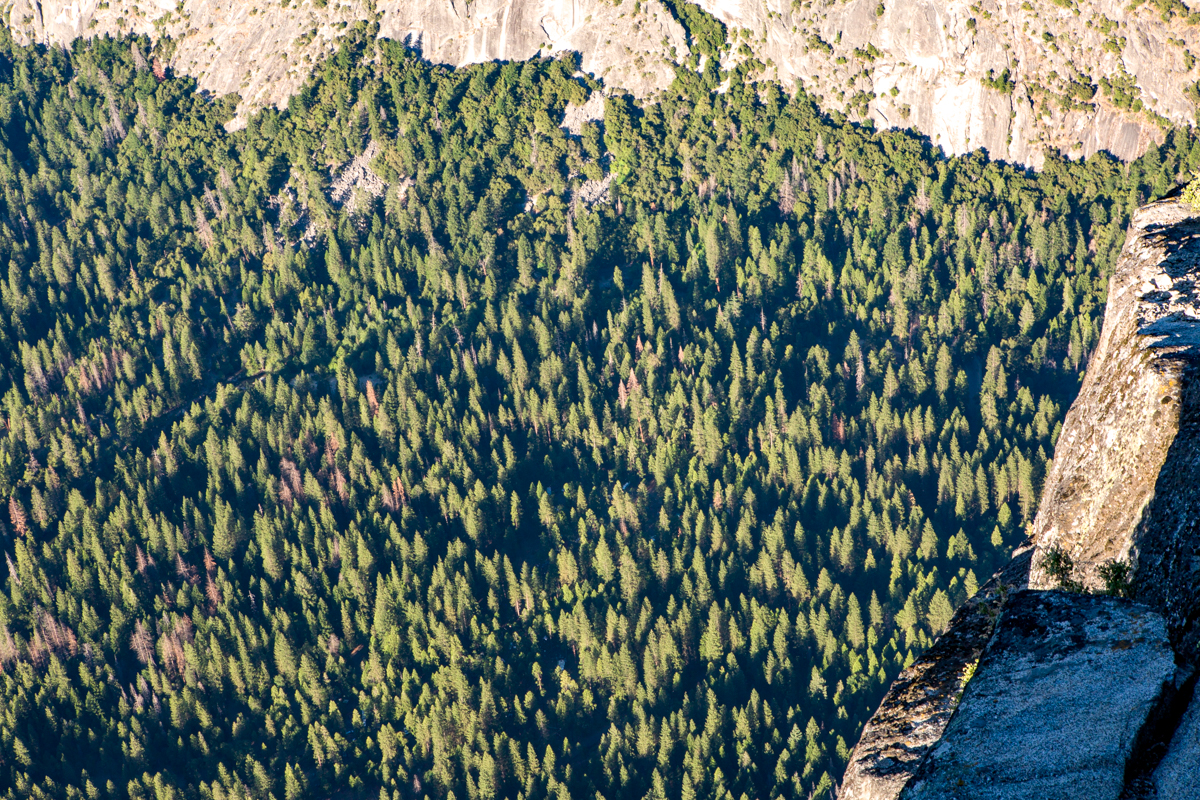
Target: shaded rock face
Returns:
[[1178, 774], [931, 65], [1032, 693], [1058, 699], [1123, 485]]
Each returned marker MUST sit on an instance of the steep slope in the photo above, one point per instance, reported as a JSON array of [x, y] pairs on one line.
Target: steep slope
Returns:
[[1015, 78], [920, 703], [265, 51]]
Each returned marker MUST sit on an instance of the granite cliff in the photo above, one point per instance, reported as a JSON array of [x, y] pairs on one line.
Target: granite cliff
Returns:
[[265, 51], [1045, 684], [1016, 78], [1019, 79]]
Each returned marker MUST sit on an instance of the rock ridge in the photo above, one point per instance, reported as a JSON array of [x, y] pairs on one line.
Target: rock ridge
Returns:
[[920, 703]]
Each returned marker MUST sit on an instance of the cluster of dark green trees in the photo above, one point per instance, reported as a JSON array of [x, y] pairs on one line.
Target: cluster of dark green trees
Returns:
[[470, 489]]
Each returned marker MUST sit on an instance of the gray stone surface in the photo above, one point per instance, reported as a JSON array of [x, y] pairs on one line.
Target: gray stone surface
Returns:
[[1127, 464], [921, 701], [1178, 774], [1120, 430], [1055, 705]]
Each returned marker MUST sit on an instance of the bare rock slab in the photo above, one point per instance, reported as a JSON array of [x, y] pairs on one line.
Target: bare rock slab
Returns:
[[1056, 702]]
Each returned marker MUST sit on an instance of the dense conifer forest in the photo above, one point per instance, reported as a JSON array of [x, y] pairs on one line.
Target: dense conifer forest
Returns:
[[503, 461]]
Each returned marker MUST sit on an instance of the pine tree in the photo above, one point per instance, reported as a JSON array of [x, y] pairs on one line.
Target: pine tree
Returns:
[[854, 623]]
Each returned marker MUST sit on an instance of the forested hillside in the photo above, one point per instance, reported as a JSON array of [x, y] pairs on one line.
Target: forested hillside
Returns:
[[518, 464]]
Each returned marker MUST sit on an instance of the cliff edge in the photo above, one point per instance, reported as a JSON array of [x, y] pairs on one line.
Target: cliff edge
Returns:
[[1045, 684], [1123, 488]]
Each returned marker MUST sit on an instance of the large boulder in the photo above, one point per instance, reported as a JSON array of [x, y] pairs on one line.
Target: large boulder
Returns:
[[1056, 704]]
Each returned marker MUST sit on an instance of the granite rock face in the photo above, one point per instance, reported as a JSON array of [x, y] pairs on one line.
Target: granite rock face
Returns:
[[1124, 478], [1117, 434], [936, 66], [933, 65], [1056, 704]]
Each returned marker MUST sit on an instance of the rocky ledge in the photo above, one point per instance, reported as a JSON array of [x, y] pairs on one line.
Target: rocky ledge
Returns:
[[920, 704], [1059, 697], [1033, 691]]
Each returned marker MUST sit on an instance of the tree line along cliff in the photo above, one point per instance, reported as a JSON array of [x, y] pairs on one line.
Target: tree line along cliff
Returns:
[[1018, 79]]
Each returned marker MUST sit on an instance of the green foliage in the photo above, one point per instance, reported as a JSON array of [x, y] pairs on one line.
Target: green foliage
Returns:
[[1191, 192], [1059, 565], [477, 487], [707, 33], [815, 42], [1115, 45], [868, 54], [1002, 83], [1122, 90], [1081, 89], [1117, 577], [1168, 10], [1192, 91]]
